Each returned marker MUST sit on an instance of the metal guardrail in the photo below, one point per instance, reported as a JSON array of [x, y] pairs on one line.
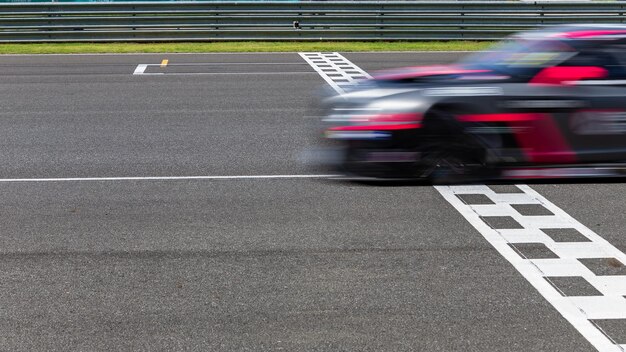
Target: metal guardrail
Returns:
[[315, 20]]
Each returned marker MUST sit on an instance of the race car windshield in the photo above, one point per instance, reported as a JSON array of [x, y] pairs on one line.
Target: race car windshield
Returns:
[[521, 57]]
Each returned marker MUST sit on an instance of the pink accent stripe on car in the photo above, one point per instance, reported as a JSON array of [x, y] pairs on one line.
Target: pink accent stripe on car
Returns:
[[391, 127], [506, 117], [591, 33], [541, 139]]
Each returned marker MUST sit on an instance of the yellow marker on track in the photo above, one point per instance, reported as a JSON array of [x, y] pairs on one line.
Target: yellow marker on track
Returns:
[[164, 62]]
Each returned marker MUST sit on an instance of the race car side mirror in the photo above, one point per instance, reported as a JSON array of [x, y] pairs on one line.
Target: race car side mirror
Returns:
[[568, 75]]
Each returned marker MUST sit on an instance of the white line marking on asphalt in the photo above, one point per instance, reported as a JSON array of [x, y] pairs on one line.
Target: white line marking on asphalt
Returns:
[[234, 64], [140, 69], [162, 178], [579, 311], [335, 69], [225, 73]]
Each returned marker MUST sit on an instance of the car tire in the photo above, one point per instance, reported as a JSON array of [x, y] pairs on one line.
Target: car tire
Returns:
[[451, 156]]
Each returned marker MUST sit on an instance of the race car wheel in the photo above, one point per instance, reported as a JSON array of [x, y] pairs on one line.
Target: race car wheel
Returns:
[[454, 166], [450, 156]]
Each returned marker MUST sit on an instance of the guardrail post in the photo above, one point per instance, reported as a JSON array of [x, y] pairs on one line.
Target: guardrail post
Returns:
[[381, 13], [216, 14], [462, 17], [132, 21]]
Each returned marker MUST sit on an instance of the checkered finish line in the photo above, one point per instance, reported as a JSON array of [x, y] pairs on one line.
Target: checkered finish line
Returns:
[[581, 274], [335, 69]]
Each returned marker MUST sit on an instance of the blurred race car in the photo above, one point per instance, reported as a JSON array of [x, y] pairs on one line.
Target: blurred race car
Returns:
[[543, 104]]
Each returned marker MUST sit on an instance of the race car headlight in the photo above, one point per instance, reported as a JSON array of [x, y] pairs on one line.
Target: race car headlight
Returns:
[[386, 111], [395, 105], [381, 122], [377, 117]]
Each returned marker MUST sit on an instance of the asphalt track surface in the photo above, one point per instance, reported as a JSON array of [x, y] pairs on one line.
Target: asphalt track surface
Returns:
[[238, 264]]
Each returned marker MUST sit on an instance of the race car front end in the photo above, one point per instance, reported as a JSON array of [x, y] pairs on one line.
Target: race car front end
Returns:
[[374, 135]]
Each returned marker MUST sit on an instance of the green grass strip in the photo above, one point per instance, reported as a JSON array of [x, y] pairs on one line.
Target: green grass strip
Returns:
[[237, 47]]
